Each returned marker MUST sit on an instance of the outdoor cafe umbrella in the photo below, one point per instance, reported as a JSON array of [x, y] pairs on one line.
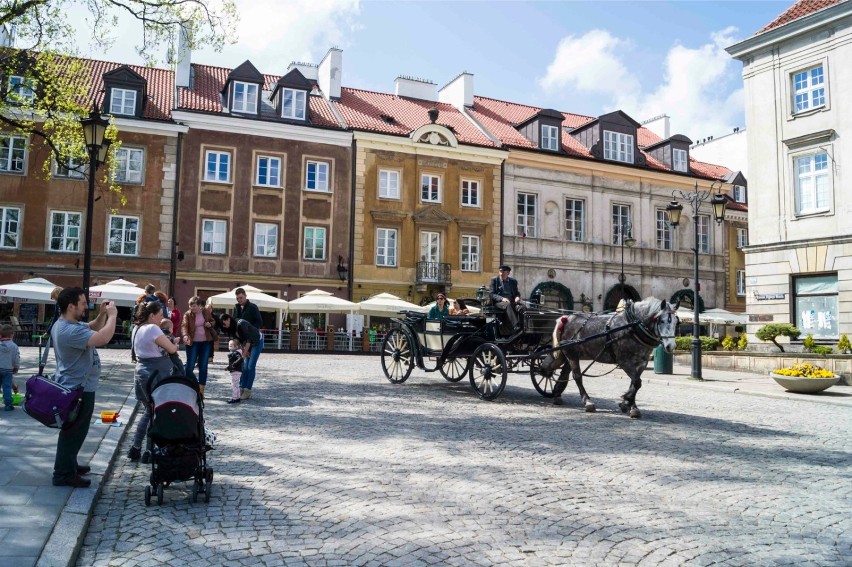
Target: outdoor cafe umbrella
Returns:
[[33, 290], [319, 301], [264, 302], [386, 304], [122, 292]]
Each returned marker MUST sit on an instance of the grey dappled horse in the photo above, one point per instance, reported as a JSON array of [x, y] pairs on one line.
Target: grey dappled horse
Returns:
[[654, 322]]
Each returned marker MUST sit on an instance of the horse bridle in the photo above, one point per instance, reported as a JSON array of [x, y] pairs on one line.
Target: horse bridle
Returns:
[[648, 337]]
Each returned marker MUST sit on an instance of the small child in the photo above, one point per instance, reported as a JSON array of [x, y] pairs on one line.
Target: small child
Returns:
[[167, 327], [10, 361], [235, 367]]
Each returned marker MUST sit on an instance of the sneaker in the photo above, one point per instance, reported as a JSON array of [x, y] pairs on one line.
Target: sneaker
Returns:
[[8, 408], [146, 457], [134, 453], [234, 401], [75, 481]]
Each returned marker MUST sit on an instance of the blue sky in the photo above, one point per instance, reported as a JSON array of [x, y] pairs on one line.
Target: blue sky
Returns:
[[643, 57]]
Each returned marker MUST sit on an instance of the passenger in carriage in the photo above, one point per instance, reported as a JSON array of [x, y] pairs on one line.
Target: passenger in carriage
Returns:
[[459, 308], [440, 309], [505, 295]]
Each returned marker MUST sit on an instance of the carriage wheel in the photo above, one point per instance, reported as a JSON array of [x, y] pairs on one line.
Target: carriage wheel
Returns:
[[543, 384], [147, 496], [488, 371], [397, 356], [454, 369], [159, 494]]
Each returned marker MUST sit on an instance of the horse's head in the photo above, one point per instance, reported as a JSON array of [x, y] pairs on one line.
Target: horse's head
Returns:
[[665, 324]]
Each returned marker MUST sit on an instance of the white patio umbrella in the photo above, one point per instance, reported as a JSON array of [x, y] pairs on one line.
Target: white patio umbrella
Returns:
[[386, 304], [122, 292], [33, 290], [319, 301], [264, 302]]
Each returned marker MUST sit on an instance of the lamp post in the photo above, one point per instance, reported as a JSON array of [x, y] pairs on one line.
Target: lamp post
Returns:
[[97, 146], [674, 210], [625, 237]]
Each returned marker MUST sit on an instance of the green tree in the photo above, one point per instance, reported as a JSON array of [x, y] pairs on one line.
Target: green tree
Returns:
[[772, 331]]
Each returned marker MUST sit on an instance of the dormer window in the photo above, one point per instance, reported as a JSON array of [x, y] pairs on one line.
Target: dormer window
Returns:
[[550, 138], [679, 160], [245, 98], [618, 146], [122, 101], [20, 90], [293, 104]]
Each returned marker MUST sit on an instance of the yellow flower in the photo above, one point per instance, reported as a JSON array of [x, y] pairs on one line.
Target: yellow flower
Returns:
[[805, 370]]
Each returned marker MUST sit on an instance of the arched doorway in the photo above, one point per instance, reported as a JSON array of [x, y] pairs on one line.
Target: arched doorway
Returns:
[[685, 297], [614, 295], [553, 294]]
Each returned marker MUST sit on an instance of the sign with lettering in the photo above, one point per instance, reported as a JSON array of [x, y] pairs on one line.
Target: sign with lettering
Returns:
[[766, 296]]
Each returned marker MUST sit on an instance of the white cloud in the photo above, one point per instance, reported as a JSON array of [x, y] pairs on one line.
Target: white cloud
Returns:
[[693, 90]]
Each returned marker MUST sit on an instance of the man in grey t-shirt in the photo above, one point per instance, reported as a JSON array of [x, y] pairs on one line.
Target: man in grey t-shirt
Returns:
[[77, 364]]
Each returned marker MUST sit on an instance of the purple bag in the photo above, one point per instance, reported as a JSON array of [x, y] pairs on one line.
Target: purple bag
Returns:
[[51, 404]]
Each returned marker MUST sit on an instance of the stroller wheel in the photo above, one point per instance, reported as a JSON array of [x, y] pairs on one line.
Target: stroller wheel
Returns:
[[195, 491], [147, 496], [159, 494], [208, 477]]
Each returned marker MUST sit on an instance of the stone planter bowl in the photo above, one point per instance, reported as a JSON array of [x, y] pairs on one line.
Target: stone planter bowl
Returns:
[[804, 385]]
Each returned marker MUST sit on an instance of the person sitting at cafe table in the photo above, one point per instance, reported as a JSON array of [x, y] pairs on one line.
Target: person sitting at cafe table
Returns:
[[440, 309]]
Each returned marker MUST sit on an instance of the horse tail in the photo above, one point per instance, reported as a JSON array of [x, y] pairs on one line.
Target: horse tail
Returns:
[[557, 334]]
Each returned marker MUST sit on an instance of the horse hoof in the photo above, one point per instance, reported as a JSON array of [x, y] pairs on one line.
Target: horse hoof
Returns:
[[557, 401], [591, 408], [635, 413], [623, 406]]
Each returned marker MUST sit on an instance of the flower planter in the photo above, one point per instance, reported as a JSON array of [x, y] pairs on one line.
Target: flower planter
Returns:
[[802, 385]]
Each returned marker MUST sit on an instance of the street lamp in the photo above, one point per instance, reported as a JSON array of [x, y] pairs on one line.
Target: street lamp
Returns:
[[674, 210], [97, 146], [625, 237]]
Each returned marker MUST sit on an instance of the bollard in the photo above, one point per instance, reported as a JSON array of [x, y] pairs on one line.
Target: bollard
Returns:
[[663, 361]]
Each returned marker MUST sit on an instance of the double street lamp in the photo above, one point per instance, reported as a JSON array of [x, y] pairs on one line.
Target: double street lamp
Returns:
[[674, 210], [97, 146], [625, 236]]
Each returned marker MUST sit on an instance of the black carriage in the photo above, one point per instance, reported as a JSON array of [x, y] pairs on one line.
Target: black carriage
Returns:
[[482, 346]]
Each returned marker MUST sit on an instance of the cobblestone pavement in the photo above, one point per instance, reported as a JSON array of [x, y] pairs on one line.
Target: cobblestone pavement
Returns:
[[329, 464]]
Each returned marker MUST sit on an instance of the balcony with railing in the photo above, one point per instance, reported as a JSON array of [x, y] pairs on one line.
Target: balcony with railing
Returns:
[[434, 272]]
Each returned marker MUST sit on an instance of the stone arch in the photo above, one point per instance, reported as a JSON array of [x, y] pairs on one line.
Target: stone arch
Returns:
[[436, 135], [687, 295], [554, 294], [613, 296]]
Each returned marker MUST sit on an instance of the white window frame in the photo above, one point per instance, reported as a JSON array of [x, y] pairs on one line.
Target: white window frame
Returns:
[[740, 194], [549, 137], [322, 179], [618, 146], [247, 102], [742, 237], [526, 214], [129, 243], [680, 160], [663, 234], [10, 228], [265, 240], [741, 283], [20, 90], [621, 215], [318, 233], [298, 104], [430, 188], [808, 89], [387, 240], [470, 193], [470, 246], [388, 184], [122, 101], [575, 219], [214, 236], [704, 234], [124, 171], [269, 182], [13, 154], [814, 160], [220, 166], [70, 169], [69, 240], [430, 246]]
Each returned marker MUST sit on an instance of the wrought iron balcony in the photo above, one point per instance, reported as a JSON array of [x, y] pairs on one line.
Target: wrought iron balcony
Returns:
[[433, 272]]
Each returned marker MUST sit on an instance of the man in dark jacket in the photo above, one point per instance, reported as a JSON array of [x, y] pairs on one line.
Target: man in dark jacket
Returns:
[[245, 309], [252, 344], [505, 295]]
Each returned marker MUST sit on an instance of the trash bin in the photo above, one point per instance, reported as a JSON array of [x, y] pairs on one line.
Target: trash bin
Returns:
[[663, 361]]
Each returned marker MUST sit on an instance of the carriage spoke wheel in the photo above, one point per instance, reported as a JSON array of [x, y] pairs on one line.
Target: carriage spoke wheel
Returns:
[[488, 371], [454, 369], [542, 383], [397, 356]]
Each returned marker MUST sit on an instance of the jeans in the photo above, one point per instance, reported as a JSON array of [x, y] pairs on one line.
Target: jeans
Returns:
[[6, 379], [250, 365], [71, 441], [198, 352]]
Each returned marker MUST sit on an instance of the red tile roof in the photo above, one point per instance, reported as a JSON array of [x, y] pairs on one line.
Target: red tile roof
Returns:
[[368, 110], [208, 82], [798, 10]]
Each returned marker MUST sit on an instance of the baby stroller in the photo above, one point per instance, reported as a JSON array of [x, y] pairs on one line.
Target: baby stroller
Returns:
[[176, 432]]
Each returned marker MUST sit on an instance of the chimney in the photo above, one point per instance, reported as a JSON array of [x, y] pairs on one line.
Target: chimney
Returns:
[[415, 88], [330, 72], [309, 71], [459, 91], [183, 68], [659, 125]]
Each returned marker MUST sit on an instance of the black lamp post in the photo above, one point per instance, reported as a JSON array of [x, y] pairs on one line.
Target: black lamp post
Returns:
[[674, 210], [625, 237], [97, 146]]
